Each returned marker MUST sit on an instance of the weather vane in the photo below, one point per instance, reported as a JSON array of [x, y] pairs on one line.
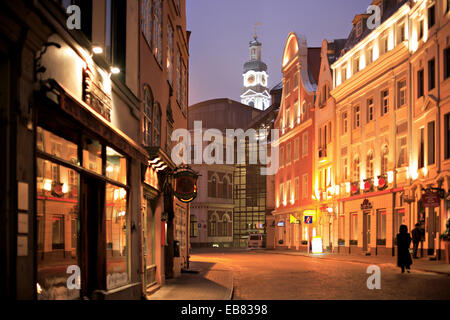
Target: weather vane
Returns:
[[257, 25]]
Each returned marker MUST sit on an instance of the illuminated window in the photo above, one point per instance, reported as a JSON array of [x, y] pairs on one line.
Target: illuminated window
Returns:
[[402, 91], [296, 149], [193, 226], [288, 153], [157, 125], [402, 151], [305, 191], [354, 229], [356, 117], [148, 116], [297, 189], [92, 155], [384, 102], [305, 144], [356, 169], [370, 110], [170, 52], [344, 123], [356, 65], [420, 33], [281, 156], [369, 165], [116, 166], [369, 55], [381, 227], [343, 74], [213, 232], [147, 20], [157, 30], [288, 117], [345, 168], [384, 160]]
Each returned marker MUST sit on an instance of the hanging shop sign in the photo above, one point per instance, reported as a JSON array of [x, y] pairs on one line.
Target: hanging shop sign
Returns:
[[185, 184], [431, 199], [366, 205]]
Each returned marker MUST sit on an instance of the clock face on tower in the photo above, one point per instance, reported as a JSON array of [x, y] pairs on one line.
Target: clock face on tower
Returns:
[[251, 79]]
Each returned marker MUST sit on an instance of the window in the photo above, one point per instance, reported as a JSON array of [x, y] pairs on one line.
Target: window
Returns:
[[157, 30], [369, 55], [343, 74], [356, 65], [447, 135], [447, 63], [213, 232], [344, 123], [356, 169], [225, 188], [421, 162], [431, 74], [370, 109], [92, 155], [226, 226], [170, 54], [431, 143], [345, 168], [288, 153], [402, 151], [384, 102], [369, 165], [288, 191], [297, 189], [281, 156], [401, 33], [447, 7], [420, 84], [116, 41], [305, 192], [288, 117], [116, 166], [431, 16], [212, 190], [384, 44], [305, 145], [147, 20], [356, 117], [193, 226], [157, 126], [148, 116], [381, 227], [280, 193], [420, 31], [359, 28], [401, 93], [116, 237], [354, 229], [384, 160], [298, 113], [296, 149]]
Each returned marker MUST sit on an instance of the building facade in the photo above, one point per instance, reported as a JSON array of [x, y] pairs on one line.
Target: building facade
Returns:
[[390, 91], [295, 121]]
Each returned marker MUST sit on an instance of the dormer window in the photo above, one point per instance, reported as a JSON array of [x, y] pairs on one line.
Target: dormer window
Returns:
[[359, 28]]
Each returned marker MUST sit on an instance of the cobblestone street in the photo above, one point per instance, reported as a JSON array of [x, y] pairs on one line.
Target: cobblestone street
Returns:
[[264, 276]]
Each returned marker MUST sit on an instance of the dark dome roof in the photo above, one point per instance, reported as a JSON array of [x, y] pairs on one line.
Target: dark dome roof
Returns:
[[255, 65]]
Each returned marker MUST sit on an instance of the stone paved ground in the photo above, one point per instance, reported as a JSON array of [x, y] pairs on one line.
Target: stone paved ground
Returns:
[[270, 276], [213, 282]]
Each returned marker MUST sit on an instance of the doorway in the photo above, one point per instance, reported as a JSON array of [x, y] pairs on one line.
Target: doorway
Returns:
[[93, 244], [366, 231], [149, 245]]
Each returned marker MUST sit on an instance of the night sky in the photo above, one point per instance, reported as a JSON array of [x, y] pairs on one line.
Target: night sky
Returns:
[[222, 29]]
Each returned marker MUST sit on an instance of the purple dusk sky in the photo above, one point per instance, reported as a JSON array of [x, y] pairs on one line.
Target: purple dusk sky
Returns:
[[222, 29]]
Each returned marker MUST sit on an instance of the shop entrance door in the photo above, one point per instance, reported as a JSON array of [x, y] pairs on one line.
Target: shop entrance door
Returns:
[[93, 242], [149, 245], [366, 231]]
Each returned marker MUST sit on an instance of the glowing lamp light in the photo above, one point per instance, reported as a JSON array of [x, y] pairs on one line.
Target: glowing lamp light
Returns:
[[65, 188], [375, 181], [48, 185], [347, 187], [122, 193], [115, 70], [109, 169], [330, 210], [97, 50], [414, 174], [38, 288], [425, 171], [390, 176], [317, 245], [122, 214]]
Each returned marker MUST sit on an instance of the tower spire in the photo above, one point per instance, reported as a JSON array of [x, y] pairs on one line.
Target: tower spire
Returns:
[[256, 25]]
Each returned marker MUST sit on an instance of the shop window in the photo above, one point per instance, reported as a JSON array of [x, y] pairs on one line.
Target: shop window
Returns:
[[381, 228], [57, 219], [116, 166], [92, 155], [116, 237], [56, 146], [341, 231]]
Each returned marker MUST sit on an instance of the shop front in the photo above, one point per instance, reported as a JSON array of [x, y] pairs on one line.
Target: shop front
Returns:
[[87, 187]]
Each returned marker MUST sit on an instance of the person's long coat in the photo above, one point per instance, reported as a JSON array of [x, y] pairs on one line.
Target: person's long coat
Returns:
[[403, 255]]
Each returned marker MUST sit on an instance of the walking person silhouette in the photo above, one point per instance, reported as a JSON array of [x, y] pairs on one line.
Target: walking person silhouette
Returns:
[[404, 260]]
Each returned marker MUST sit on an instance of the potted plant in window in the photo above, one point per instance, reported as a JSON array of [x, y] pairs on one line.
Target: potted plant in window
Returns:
[[446, 237]]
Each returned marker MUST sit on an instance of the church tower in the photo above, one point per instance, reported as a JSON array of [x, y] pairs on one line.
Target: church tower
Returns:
[[255, 92]]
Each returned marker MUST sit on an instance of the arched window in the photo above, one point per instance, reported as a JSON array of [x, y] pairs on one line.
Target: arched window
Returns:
[[212, 192], [148, 115], [369, 165], [225, 188], [356, 171], [194, 226], [226, 226], [384, 159], [157, 125], [213, 225]]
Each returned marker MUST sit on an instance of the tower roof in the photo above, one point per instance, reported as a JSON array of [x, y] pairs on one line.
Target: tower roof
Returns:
[[255, 65]]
